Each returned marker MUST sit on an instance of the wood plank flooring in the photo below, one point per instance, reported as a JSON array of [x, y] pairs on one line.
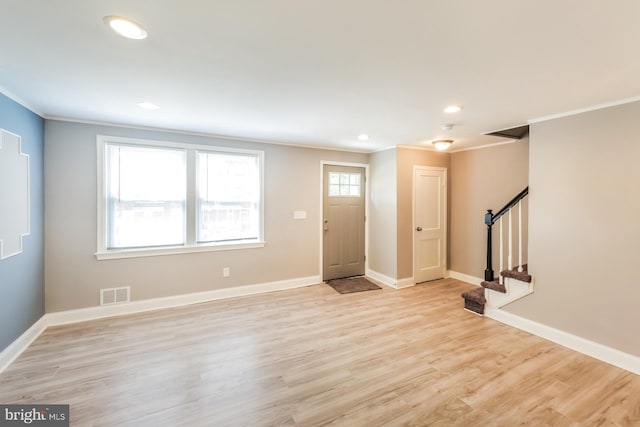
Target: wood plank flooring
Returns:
[[311, 357]]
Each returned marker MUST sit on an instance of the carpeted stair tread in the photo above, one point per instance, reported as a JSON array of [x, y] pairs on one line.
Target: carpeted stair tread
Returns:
[[494, 286], [475, 295], [515, 274], [474, 300]]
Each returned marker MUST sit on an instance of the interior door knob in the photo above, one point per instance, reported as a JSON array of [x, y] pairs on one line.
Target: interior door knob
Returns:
[[418, 228]]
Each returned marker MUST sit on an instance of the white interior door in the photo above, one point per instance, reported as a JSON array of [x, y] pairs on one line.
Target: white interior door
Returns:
[[429, 223]]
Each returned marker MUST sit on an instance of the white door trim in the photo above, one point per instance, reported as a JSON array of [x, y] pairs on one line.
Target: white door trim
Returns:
[[366, 209], [413, 214]]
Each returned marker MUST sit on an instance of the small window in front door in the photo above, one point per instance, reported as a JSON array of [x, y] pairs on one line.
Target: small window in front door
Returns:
[[344, 184]]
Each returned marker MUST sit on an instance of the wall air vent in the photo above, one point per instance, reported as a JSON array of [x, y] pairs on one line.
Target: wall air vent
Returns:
[[115, 295], [518, 132]]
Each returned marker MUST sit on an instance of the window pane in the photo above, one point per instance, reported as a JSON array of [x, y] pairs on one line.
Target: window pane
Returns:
[[344, 184], [146, 193], [228, 197]]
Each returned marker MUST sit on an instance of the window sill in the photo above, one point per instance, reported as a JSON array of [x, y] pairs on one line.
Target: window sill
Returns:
[[146, 252]]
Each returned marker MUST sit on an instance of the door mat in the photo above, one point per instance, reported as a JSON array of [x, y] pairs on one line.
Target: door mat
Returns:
[[350, 285]]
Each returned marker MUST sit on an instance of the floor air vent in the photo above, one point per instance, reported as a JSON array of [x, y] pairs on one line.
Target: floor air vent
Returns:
[[115, 295]]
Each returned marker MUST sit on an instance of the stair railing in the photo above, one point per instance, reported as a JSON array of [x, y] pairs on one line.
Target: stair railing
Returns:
[[490, 219]]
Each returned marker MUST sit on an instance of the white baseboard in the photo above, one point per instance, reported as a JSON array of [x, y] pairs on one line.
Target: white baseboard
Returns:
[[601, 352], [389, 281], [464, 277], [598, 351], [385, 280], [15, 349], [92, 313], [405, 283]]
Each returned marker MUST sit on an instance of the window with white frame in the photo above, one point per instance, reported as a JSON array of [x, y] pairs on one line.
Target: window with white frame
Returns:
[[228, 197], [157, 198], [146, 195]]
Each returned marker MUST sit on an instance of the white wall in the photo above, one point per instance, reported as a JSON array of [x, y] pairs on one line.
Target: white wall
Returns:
[[73, 276], [584, 226]]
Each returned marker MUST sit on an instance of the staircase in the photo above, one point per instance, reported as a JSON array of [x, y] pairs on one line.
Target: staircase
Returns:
[[512, 283]]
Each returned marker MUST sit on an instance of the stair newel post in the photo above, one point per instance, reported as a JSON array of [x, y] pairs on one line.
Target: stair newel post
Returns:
[[488, 220]]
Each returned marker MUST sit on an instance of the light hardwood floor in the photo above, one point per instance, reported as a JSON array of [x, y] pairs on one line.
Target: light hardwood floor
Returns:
[[309, 356]]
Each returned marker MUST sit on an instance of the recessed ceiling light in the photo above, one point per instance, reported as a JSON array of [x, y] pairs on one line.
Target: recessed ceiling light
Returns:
[[363, 137], [125, 27], [452, 109], [442, 144], [148, 105]]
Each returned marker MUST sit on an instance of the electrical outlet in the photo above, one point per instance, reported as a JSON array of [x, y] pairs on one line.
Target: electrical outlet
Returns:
[[226, 272]]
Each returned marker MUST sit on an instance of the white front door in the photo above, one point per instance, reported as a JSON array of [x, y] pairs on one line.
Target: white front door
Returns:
[[429, 223]]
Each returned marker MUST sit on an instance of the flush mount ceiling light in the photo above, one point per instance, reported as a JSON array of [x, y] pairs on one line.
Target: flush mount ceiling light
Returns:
[[452, 109], [363, 137], [125, 27], [147, 105], [442, 144]]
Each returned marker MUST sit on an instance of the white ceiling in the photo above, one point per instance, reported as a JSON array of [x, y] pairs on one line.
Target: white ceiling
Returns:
[[321, 72]]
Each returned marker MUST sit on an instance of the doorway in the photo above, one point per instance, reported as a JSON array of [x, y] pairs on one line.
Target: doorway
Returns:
[[343, 221], [429, 223]]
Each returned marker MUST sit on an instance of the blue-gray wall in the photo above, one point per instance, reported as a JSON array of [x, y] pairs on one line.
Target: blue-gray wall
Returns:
[[22, 275]]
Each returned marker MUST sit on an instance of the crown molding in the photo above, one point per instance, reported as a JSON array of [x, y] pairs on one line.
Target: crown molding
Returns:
[[584, 110]]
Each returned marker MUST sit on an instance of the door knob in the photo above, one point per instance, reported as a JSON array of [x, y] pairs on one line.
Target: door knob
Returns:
[[418, 228]]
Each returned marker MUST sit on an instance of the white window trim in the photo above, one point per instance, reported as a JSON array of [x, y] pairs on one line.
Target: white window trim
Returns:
[[191, 246]]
